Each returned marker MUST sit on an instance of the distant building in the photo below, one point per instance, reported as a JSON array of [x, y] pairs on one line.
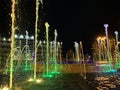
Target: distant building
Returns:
[[20, 41], [4, 50], [70, 56]]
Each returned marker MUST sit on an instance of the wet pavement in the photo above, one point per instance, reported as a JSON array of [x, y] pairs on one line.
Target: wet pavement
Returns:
[[68, 81]]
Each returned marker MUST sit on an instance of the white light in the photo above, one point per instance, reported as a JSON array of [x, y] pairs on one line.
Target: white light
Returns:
[[39, 81], [105, 25], [40, 42], [116, 32], [76, 44], [32, 37], [21, 37], [58, 43], [30, 80], [9, 39], [16, 36], [5, 88], [51, 42], [44, 42], [4, 39]]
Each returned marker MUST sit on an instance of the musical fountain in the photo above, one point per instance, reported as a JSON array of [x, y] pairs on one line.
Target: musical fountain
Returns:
[[50, 52], [21, 55]]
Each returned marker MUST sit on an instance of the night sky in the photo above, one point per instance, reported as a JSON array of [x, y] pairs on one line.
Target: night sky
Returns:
[[75, 20]]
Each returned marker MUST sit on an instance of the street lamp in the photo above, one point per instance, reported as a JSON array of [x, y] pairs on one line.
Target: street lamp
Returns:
[[32, 37], [4, 39], [15, 36], [21, 37]]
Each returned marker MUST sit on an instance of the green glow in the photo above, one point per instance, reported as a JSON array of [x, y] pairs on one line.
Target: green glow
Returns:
[[107, 68], [47, 75], [118, 64], [27, 68], [55, 72]]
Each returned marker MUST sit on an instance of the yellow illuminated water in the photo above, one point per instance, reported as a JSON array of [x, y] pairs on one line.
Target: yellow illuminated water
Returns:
[[83, 59], [36, 35], [12, 41]]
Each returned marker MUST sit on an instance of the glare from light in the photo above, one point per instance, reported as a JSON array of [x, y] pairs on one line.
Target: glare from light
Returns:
[[9, 39], [21, 36], [39, 80], [16, 36], [32, 37], [4, 39], [30, 80], [44, 42], [5, 88]]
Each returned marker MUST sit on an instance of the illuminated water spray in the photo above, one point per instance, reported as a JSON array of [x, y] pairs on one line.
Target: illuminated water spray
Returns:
[[82, 54], [26, 54], [109, 57], [47, 74], [55, 42], [117, 50], [107, 40], [99, 48], [12, 42], [51, 52], [76, 51], [47, 48], [55, 53], [36, 35]]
